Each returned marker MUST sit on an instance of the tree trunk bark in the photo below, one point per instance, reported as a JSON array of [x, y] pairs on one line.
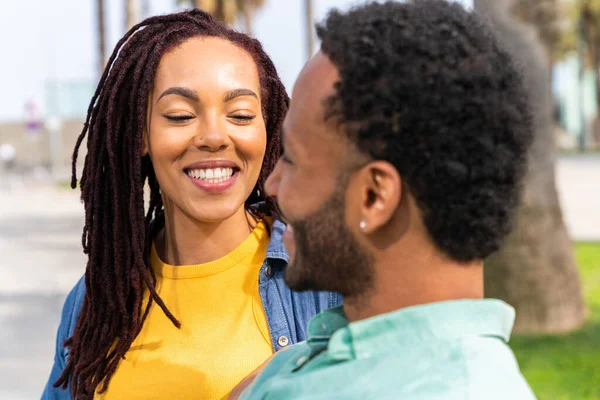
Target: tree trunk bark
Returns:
[[248, 12], [129, 14], [310, 29], [219, 9], [101, 36], [535, 271], [591, 35]]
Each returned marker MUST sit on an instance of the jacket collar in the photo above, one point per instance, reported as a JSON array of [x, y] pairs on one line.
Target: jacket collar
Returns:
[[276, 249]]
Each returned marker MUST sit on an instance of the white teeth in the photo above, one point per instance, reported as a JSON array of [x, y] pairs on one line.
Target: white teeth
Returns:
[[215, 175]]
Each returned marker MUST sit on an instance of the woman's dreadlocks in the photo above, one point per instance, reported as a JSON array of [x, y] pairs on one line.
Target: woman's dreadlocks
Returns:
[[117, 236]]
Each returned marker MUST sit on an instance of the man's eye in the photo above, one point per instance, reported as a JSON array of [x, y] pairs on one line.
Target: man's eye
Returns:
[[178, 118], [286, 159]]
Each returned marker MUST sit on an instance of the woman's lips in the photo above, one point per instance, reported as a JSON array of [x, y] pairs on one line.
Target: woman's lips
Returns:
[[214, 186]]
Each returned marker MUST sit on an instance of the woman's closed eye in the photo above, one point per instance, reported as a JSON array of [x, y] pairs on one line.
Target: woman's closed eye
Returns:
[[239, 119], [178, 118], [242, 118]]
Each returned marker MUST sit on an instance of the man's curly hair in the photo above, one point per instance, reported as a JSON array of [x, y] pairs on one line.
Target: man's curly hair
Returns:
[[426, 86]]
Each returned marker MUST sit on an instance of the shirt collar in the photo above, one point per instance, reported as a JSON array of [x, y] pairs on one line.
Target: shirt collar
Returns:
[[276, 249], [408, 327]]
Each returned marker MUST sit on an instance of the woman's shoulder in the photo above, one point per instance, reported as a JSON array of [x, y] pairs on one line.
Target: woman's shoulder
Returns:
[[71, 308]]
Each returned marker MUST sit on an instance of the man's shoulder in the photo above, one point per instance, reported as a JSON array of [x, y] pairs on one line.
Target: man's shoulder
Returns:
[[464, 369], [446, 370], [282, 362], [469, 368], [492, 370]]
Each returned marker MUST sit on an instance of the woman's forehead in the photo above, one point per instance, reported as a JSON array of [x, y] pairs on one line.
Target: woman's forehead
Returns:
[[207, 61]]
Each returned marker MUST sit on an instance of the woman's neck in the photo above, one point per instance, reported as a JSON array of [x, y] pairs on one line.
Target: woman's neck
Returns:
[[185, 241]]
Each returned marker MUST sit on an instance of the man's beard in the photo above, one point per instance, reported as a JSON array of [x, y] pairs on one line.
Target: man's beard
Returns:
[[327, 255]]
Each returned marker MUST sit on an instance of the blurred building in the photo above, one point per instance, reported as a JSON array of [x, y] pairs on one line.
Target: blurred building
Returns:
[[576, 104]]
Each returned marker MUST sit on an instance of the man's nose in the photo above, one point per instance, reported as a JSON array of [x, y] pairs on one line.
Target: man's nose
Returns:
[[272, 183]]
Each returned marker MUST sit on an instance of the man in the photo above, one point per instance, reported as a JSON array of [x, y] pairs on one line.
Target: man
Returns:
[[404, 151]]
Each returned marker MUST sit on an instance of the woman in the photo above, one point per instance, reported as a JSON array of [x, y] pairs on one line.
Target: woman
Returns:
[[187, 299]]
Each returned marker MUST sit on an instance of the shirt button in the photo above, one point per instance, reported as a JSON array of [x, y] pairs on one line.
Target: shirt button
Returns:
[[268, 271], [283, 341]]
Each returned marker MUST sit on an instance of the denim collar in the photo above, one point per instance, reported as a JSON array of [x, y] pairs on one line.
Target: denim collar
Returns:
[[276, 249]]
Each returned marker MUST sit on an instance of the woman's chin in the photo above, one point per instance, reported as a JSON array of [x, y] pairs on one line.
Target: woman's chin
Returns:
[[214, 213], [213, 209]]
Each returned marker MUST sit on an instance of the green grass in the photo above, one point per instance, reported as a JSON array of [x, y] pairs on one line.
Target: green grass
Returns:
[[567, 367]]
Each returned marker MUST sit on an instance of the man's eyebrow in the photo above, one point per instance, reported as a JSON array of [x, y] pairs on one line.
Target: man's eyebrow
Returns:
[[232, 94], [181, 91]]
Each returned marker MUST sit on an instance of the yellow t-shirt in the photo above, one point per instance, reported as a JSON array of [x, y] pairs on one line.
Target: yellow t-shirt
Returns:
[[223, 337]]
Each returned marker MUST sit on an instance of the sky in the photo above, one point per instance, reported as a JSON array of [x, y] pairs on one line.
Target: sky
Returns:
[[48, 42]]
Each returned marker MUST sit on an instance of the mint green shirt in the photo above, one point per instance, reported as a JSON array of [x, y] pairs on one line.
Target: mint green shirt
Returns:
[[442, 351]]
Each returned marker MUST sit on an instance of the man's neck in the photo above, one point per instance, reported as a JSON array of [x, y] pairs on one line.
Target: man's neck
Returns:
[[405, 279]]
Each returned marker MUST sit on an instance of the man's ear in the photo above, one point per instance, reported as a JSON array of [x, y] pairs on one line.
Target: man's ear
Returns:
[[381, 192]]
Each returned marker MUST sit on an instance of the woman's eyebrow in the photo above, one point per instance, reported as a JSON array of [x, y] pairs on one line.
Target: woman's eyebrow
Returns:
[[181, 91], [232, 94]]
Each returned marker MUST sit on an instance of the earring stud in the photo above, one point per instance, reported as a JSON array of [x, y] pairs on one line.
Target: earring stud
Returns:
[[363, 224]]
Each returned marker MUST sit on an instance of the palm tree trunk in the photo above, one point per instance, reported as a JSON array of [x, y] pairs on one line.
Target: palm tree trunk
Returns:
[[101, 36], [248, 19], [129, 14], [591, 38], [310, 29], [215, 7], [535, 271], [228, 11]]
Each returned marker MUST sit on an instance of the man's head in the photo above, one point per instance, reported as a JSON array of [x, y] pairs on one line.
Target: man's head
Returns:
[[412, 120]]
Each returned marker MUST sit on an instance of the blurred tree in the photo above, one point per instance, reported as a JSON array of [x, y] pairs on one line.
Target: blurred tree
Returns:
[[130, 17], [101, 36], [228, 11], [580, 31], [544, 16], [589, 29], [535, 271], [310, 28]]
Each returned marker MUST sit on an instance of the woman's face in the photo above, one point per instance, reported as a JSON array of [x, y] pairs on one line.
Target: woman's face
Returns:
[[206, 133]]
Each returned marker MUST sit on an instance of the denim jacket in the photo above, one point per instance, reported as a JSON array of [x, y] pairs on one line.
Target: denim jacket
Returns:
[[287, 312]]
